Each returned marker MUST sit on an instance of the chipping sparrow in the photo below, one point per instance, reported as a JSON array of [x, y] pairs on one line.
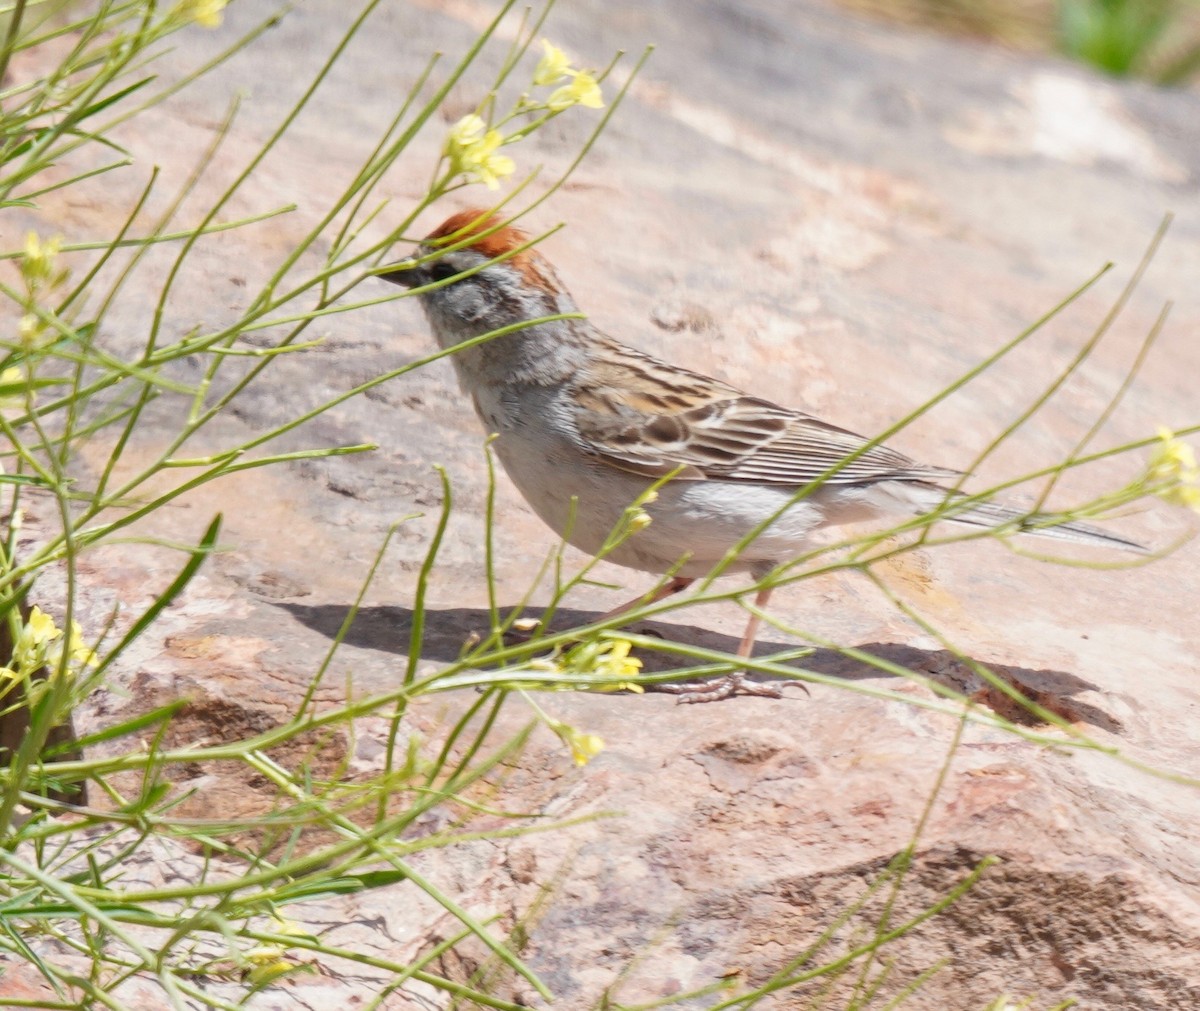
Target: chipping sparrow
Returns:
[[585, 425]]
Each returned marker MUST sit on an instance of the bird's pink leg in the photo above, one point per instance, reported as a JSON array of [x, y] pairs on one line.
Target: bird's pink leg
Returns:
[[746, 646]]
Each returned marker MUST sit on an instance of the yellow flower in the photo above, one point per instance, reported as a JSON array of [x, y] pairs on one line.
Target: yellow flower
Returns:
[[583, 90], [1187, 496], [639, 520], [12, 388], [206, 13], [584, 747], [615, 661], [39, 256], [471, 147], [42, 644], [267, 964], [1173, 473], [33, 331], [77, 650], [34, 640], [610, 661], [40, 628], [553, 66], [464, 134], [39, 265], [493, 168]]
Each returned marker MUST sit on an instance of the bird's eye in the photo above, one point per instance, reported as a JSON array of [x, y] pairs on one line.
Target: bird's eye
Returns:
[[442, 270]]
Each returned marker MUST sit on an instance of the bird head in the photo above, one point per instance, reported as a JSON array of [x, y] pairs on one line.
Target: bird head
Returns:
[[474, 274]]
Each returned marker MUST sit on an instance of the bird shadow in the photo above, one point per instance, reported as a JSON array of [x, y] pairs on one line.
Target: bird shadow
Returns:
[[445, 631]]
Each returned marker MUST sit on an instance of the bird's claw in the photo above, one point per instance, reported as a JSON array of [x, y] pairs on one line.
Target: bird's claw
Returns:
[[727, 687]]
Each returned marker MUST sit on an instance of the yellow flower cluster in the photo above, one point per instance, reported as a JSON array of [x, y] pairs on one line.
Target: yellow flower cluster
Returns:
[[609, 660], [41, 643], [584, 747], [472, 145], [583, 88], [270, 962], [471, 149], [1173, 473], [639, 519], [39, 264], [636, 518], [205, 13], [41, 273], [553, 66], [12, 388]]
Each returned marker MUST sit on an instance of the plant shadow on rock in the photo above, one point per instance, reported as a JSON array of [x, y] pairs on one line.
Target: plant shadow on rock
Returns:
[[387, 628]]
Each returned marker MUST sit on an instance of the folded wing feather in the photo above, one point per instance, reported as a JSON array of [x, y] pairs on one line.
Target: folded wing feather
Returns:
[[651, 418]]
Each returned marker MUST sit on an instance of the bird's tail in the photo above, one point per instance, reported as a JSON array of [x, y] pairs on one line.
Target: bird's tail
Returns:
[[929, 498]]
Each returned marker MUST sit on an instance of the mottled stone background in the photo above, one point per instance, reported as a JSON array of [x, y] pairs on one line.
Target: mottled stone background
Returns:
[[825, 211]]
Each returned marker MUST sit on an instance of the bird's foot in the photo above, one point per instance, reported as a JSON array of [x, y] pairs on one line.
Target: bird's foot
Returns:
[[727, 687]]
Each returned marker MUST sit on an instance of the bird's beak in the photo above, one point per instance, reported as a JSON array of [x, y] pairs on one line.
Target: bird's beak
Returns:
[[406, 273]]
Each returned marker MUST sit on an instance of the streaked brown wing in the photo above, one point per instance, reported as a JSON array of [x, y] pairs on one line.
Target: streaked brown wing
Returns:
[[644, 416]]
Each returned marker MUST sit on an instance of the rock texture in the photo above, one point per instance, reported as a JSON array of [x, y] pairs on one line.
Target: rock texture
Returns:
[[832, 214]]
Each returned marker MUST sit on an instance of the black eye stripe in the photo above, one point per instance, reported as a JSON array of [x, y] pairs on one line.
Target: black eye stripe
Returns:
[[440, 270]]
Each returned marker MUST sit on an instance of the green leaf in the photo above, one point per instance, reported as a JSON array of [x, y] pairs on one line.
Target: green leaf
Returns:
[[23, 479], [115, 97], [161, 714], [381, 878], [199, 554]]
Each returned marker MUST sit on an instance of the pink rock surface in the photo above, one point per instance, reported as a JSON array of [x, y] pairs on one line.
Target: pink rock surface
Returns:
[[830, 214]]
